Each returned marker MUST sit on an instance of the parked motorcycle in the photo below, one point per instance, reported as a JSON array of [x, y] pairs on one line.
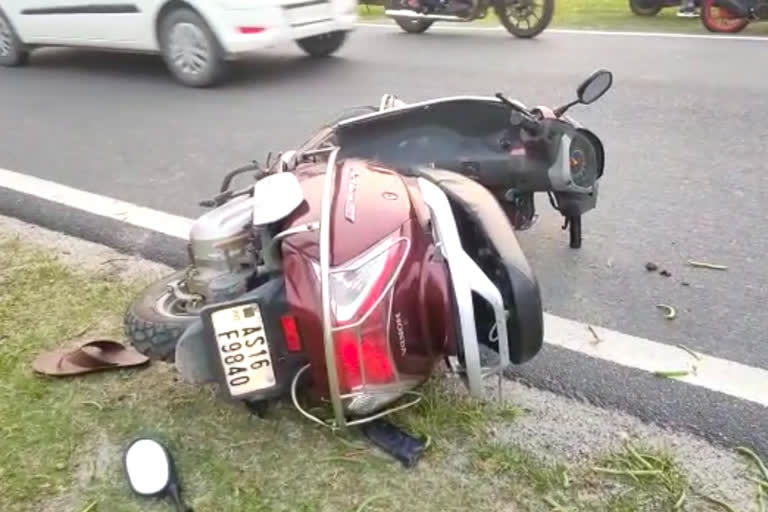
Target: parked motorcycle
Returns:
[[653, 7], [732, 16], [521, 18], [382, 246]]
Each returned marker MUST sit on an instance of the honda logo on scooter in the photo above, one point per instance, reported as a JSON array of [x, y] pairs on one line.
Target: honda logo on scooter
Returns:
[[400, 333]]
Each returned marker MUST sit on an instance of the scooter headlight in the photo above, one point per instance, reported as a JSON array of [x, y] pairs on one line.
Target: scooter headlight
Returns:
[[582, 160], [585, 158]]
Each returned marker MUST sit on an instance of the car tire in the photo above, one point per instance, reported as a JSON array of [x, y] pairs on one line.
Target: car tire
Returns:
[[322, 45], [153, 330], [12, 51], [190, 49]]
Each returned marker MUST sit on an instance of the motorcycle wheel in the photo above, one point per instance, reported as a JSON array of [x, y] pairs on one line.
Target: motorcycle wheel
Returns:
[[156, 319], [718, 19], [413, 26], [645, 7], [516, 16]]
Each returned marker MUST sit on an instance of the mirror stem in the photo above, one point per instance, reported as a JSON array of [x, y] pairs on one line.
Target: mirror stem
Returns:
[[559, 111], [173, 491]]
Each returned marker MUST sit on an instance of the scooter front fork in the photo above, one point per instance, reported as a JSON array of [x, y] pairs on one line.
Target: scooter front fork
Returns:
[[573, 223]]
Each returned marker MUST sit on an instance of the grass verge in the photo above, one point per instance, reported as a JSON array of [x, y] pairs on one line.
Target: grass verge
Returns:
[[603, 15], [61, 439]]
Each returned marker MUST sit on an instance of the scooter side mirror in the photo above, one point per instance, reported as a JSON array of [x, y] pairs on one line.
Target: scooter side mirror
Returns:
[[590, 90], [150, 470], [595, 86]]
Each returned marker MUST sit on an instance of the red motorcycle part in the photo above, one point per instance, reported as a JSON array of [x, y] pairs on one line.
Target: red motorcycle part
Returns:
[[719, 19]]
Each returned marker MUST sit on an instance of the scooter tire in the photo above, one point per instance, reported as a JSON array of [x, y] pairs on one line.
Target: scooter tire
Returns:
[[500, 8], [150, 330], [412, 26]]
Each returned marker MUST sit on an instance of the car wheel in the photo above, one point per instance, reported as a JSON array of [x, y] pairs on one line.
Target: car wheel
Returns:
[[190, 49], [322, 45], [12, 50]]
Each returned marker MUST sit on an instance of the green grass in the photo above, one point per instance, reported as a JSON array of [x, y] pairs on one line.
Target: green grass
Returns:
[[604, 15], [61, 439]]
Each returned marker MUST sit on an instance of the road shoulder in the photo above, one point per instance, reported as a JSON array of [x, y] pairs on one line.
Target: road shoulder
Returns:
[[537, 449]]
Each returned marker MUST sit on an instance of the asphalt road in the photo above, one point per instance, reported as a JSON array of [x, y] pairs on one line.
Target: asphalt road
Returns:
[[683, 128]]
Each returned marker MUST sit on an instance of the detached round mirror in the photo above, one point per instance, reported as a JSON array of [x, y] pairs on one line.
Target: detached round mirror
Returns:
[[595, 86], [151, 472], [148, 466]]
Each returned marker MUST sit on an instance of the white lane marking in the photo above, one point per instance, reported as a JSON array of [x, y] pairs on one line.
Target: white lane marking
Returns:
[[731, 378], [129, 213], [734, 379], [616, 33]]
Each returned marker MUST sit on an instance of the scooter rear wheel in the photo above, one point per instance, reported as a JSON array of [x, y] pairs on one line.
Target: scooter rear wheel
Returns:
[[522, 19], [154, 322], [719, 19], [413, 26]]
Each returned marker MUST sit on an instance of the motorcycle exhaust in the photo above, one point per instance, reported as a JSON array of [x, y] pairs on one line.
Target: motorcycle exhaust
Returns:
[[734, 7], [405, 13]]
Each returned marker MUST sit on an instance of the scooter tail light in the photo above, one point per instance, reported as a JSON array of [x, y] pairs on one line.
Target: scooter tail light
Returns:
[[363, 354], [357, 287], [291, 333], [361, 295]]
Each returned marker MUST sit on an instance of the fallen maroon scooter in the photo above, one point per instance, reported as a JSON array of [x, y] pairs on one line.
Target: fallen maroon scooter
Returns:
[[381, 247]]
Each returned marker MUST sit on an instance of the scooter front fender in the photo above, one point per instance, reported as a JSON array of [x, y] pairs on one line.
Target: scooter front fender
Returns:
[[192, 358]]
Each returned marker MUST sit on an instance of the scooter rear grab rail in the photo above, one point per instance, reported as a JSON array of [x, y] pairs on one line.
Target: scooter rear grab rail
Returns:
[[467, 277], [325, 292], [324, 247]]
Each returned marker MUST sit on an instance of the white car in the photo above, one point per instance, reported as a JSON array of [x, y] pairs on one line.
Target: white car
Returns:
[[195, 37]]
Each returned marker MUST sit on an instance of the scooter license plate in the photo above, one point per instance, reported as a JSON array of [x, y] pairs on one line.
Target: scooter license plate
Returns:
[[243, 348]]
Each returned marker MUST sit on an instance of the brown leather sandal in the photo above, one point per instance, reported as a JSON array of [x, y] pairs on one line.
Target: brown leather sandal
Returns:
[[97, 355]]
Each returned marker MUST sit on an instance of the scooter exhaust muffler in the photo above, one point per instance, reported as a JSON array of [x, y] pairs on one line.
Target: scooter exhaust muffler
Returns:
[[405, 13]]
